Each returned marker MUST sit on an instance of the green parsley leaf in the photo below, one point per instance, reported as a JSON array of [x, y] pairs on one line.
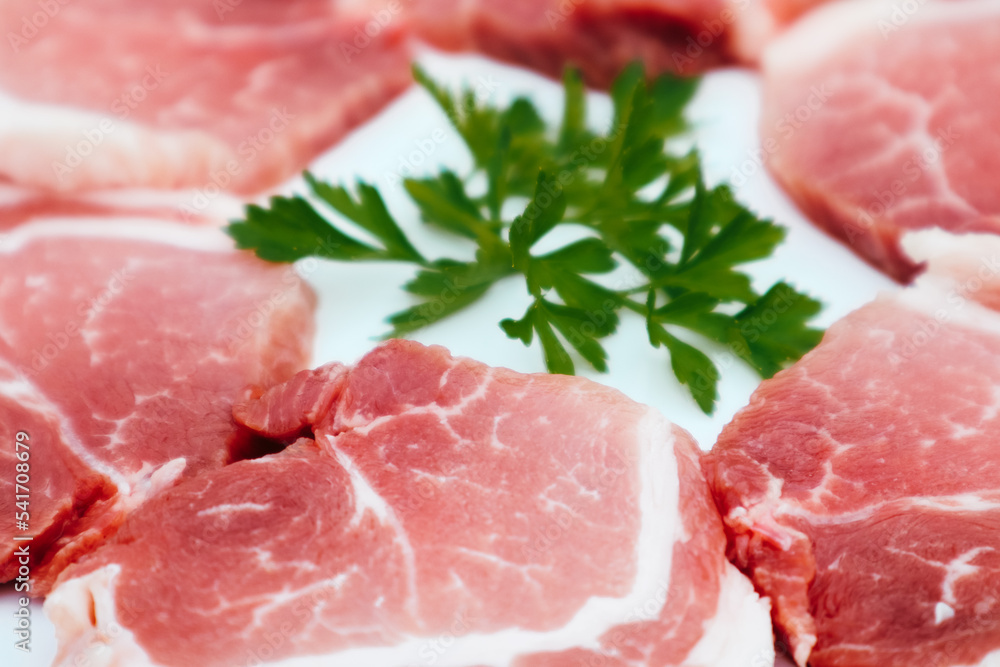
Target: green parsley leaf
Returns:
[[635, 201]]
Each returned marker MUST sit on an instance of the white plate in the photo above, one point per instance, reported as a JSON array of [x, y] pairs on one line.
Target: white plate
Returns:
[[355, 299]]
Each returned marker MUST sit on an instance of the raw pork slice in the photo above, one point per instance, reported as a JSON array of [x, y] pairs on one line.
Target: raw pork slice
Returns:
[[446, 513], [879, 120], [861, 487], [123, 344], [599, 36], [230, 94]]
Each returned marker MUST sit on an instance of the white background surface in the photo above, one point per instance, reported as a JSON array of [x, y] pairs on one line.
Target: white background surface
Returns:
[[354, 300]]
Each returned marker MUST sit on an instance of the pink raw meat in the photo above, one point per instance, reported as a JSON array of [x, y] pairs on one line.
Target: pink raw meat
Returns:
[[599, 36], [861, 487], [237, 94], [123, 343], [602, 36], [877, 121], [446, 511]]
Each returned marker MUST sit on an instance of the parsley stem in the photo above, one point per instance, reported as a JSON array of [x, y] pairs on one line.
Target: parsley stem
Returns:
[[635, 306], [568, 175]]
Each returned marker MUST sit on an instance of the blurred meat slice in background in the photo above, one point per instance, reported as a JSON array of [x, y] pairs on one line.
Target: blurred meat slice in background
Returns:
[[878, 120], [124, 341], [602, 36], [234, 95], [598, 36]]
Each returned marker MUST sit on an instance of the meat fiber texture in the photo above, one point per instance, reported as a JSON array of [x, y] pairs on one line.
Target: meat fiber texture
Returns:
[[861, 487], [123, 345], [881, 117], [437, 511], [234, 95]]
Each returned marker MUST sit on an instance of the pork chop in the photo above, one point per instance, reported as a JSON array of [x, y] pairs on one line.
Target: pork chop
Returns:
[[228, 95], [445, 512], [861, 487], [123, 344], [878, 120]]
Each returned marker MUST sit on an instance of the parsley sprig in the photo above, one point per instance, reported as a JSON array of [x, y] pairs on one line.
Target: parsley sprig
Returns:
[[638, 203]]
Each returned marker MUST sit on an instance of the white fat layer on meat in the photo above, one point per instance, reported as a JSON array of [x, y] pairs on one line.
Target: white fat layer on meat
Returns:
[[87, 625], [149, 481], [991, 660], [12, 194], [944, 293], [226, 508], [831, 28], [955, 259], [367, 499], [16, 387], [738, 636], [138, 228], [235, 36], [659, 501], [958, 569], [222, 206], [821, 34], [943, 612], [960, 504], [133, 489], [39, 137], [754, 27]]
